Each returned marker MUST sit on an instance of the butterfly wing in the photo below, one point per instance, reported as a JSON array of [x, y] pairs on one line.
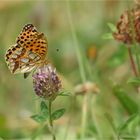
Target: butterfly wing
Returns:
[[33, 41], [17, 60], [29, 52]]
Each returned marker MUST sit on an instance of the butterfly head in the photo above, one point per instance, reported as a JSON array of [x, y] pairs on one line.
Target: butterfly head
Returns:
[[28, 27]]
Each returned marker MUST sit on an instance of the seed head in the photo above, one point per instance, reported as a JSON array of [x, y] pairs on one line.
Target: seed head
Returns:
[[128, 26]]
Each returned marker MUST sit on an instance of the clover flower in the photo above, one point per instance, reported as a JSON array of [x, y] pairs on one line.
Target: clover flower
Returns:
[[128, 26], [46, 82]]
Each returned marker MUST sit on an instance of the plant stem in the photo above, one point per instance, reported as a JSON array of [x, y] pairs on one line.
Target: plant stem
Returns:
[[51, 121], [137, 57], [132, 62], [81, 69], [84, 116], [136, 51], [75, 40]]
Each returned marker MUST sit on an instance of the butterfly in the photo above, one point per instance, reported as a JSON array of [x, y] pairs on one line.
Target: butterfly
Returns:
[[29, 52]]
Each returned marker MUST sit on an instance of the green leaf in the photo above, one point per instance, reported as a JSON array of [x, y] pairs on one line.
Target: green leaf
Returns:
[[126, 101], [134, 81], [127, 137], [43, 106], [44, 109], [38, 118], [108, 36], [64, 93], [131, 125], [57, 114], [112, 27]]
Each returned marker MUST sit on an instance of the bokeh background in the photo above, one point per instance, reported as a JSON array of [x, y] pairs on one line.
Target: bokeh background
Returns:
[[67, 25]]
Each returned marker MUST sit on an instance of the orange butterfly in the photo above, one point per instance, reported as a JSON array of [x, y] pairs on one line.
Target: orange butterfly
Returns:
[[29, 52]]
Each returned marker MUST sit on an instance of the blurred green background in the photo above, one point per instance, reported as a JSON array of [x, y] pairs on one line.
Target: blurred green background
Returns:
[[105, 61]]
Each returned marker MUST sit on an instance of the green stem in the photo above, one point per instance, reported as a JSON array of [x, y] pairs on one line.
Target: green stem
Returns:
[[51, 121], [95, 120], [81, 69], [78, 51], [84, 116]]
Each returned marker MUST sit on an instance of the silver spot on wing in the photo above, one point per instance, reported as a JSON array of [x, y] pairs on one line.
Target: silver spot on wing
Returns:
[[37, 58], [18, 52], [32, 55], [24, 60], [14, 56]]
